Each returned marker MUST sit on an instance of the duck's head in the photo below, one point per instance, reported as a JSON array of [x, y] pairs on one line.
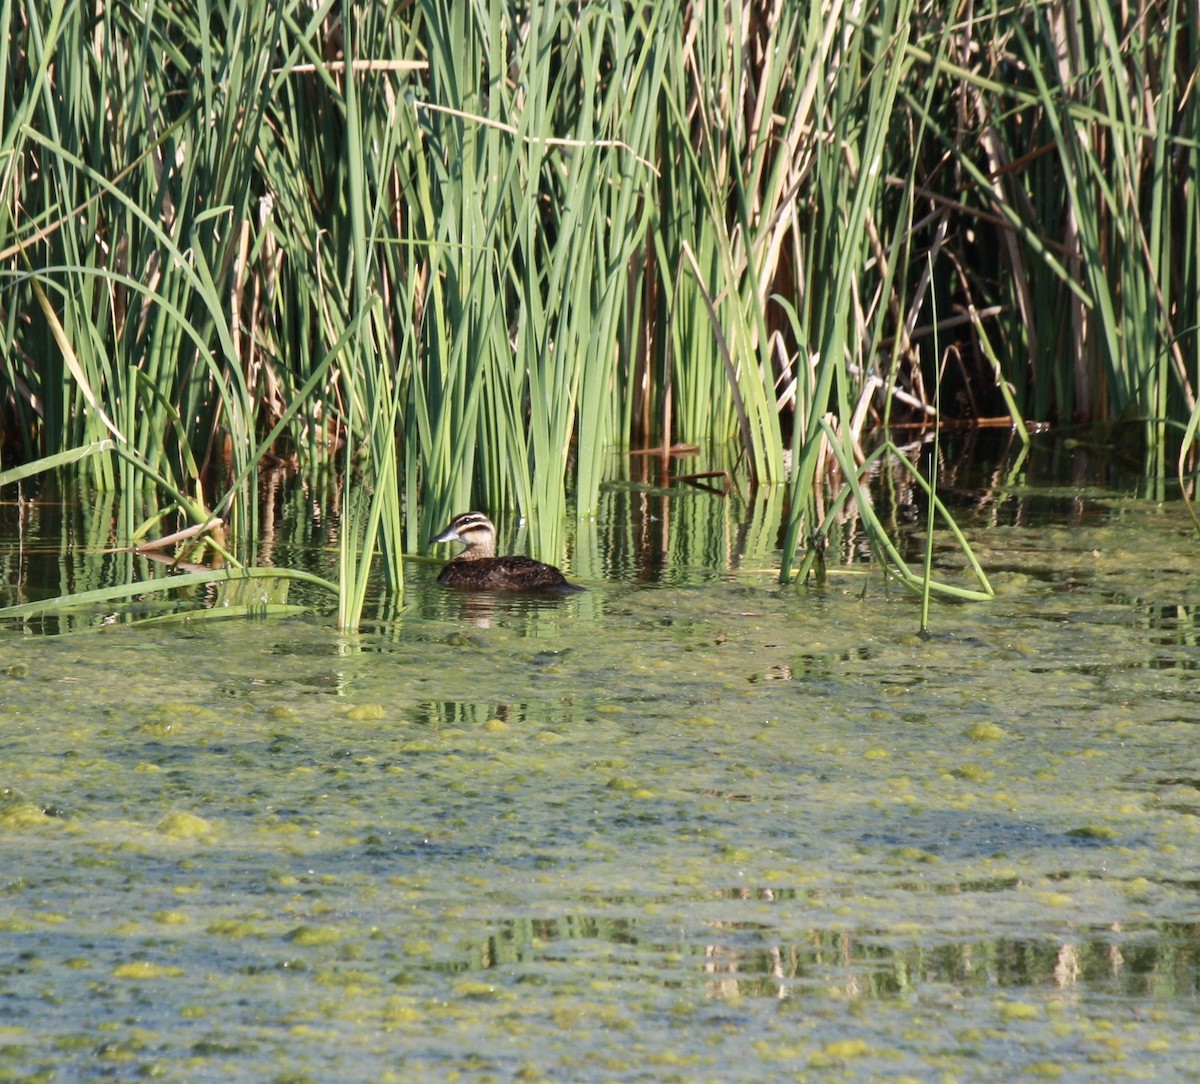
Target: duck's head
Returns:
[[475, 531]]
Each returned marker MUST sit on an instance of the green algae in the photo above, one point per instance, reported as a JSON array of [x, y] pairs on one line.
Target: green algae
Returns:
[[309, 936], [146, 969], [182, 825], [719, 832]]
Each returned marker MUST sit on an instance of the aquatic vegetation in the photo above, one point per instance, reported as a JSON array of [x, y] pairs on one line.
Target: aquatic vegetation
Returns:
[[676, 825], [463, 251]]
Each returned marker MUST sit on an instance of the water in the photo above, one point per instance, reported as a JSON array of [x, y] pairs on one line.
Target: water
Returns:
[[688, 825]]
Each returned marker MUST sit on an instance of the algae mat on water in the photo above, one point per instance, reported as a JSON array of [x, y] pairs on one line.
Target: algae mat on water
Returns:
[[719, 832]]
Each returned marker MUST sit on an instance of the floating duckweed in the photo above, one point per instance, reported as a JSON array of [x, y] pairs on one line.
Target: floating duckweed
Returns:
[[1019, 1010], [1054, 899], [181, 825], [63, 1042], [110, 1051], [986, 732], [847, 1048], [673, 1058], [473, 989], [366, 713], [352, 984], [831, 1054], [144, 969], [231, 927], [398, 1010], [503, 887], [20, 814], [164, 727], [310, 936], [1093, 831]]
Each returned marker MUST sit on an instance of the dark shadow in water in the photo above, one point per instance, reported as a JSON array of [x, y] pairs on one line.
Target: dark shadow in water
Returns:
[[965, 836]]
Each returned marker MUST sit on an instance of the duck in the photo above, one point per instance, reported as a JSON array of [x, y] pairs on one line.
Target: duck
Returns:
[[478, 568]]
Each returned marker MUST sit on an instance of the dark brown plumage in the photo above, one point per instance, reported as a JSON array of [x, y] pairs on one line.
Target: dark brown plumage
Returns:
[[478, 568]]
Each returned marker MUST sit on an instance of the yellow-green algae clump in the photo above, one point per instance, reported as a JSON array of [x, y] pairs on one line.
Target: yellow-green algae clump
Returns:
[[180, 825]]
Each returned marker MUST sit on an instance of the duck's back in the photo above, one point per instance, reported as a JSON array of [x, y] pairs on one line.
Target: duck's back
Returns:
[[512, 573]]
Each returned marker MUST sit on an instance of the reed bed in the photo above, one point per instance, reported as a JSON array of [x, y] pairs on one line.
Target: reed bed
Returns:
[[465, 251]]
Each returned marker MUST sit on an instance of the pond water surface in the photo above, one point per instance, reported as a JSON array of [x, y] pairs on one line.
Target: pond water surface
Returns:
[[691, 826]]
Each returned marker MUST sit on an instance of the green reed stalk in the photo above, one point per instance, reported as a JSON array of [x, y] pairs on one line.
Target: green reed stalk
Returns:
[[540, 190], [890, 557], [370, 510], [846, 242], [934, 453]]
